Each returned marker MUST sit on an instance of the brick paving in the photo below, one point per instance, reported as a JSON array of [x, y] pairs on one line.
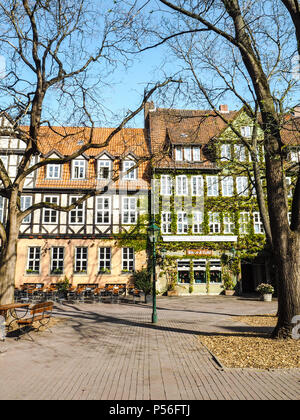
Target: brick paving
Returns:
[[112, 352]]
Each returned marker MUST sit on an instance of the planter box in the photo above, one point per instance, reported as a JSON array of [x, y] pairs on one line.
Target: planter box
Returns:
[[172, 293], [229, 292], [267, 297]]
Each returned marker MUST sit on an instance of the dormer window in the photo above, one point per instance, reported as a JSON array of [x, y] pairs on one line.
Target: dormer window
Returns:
[[187, 153], [53, 171], [104, 169], [78, 169], [127, 165], [225, 152]]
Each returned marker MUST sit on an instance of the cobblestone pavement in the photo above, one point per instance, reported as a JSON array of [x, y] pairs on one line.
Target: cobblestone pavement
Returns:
[[112, 352]]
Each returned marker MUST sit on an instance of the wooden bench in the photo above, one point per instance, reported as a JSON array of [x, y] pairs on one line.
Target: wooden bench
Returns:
[[41, 313]]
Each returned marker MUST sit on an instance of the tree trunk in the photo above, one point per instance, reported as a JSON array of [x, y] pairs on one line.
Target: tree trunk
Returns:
[[288, 268], [7, 271]]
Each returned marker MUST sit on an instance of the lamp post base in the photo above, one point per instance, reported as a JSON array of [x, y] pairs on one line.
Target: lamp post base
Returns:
[[154, 318]]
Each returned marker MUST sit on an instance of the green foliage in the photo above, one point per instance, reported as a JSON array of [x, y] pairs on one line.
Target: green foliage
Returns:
[[142, 280]]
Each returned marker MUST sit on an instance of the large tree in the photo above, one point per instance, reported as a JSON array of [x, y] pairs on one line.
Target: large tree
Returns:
[[58, 55], [240, 33]]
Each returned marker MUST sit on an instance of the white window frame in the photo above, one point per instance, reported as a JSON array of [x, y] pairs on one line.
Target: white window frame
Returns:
[[78, 212], [212, 183], [104, 259], [132, 175], [197, 185], [182, 222], [129, 210], [166, 184], [53, 171], [34, 260], [246, 131], [166, 220], [225, 152], [104, 164], [178, 153], [181, 185], [242, 187], [196, 153], [295, 154], [257, 223], [227, 186], [4, 159], [228, 223], [26, 202], [244, 218], [57, 262], [197, 222], [187, 150], [79, 169], [50, 212], [240, 152], [81, 260], [214, 222], [103, 210], [128, 259]]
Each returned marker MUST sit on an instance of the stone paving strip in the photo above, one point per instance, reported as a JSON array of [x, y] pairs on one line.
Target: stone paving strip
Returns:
[[113, 352]]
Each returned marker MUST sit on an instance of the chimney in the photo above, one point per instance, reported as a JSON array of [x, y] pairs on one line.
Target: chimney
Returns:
[[148, 107], [223, 109]]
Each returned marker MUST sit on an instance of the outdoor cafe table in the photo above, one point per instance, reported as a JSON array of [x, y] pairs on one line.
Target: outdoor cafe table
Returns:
[[10, 308]]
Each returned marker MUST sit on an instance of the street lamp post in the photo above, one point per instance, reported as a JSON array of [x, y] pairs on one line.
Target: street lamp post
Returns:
[[153, 232]]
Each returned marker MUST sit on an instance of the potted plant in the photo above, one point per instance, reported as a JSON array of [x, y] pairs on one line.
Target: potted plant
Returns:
[[228, 285], [63, 287], [266, 290], [142, 281]]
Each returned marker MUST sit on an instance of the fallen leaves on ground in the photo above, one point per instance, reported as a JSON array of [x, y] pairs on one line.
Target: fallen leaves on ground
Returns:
[[253, 349]]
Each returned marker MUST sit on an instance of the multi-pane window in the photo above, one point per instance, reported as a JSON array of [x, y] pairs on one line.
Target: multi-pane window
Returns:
[[50, 215], [166, 219], [104, 169], [258, 225], [187, 153], [166, 185], [242, 185], [227, 186], [104, 259], [57, 259], [197, 221], [103, 210], [53, 171], [127, 165], [181, 185], [129, 211], [243, 222], [240, 152], [225, 152], [76, 216], [128, 259], [228, 222], [78, 169], [196, 153], [214, 222], [212, 186], [182, 222], [81, 259], [246, 131], [33, 260], [26, 201], [178, 153], [197, 185]]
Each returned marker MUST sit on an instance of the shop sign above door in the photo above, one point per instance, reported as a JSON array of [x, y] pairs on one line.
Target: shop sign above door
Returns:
[[199, 252]]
